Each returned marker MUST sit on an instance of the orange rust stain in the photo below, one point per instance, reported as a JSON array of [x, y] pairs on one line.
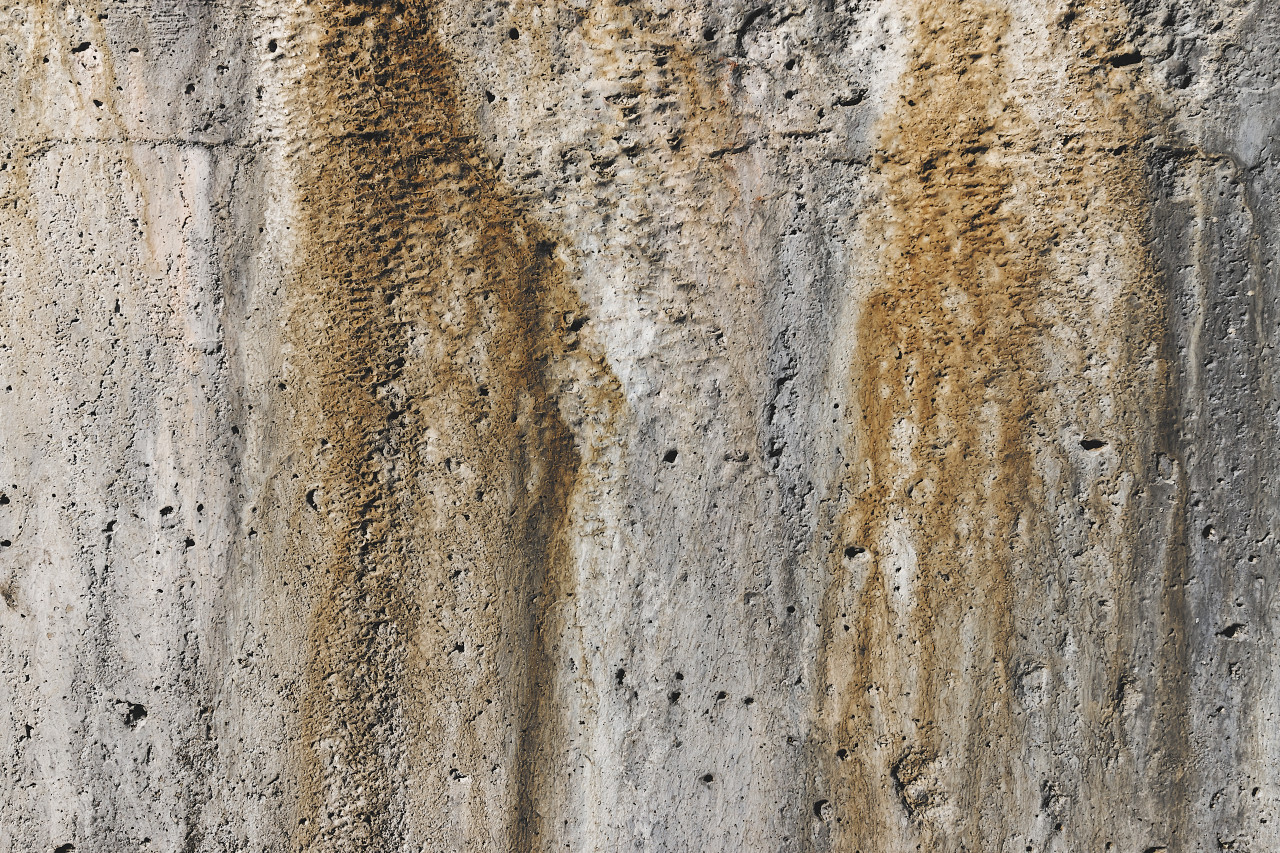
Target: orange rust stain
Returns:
[[951, 360], [948, 342], [426, 314]]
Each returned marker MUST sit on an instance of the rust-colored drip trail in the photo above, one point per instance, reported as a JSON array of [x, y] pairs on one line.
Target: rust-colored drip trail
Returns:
[[947, 341], [952, 355], [425, 314]]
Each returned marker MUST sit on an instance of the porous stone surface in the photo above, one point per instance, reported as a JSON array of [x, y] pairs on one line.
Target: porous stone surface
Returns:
[[659, 425]]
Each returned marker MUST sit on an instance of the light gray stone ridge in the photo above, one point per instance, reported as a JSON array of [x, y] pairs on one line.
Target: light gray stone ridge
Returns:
[[639, 425]]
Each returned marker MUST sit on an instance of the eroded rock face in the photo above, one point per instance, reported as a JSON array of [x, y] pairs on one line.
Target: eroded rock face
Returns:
[[640, 425]]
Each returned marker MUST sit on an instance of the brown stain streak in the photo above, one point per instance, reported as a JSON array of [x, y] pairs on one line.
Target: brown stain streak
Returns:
[[948, 340], [430, 303], [950, 363]]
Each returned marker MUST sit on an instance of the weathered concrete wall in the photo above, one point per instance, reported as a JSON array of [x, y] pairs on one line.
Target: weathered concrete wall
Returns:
[[660, 425]]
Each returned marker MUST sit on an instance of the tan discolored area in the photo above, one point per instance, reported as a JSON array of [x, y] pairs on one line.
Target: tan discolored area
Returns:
[[949, 342], [990, 213], [424, 321]]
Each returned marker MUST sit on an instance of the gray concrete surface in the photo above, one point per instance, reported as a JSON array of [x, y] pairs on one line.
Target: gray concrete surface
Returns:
[[666, 425]]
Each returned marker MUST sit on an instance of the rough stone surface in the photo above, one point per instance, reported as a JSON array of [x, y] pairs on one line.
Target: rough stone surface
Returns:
[[662, 425]]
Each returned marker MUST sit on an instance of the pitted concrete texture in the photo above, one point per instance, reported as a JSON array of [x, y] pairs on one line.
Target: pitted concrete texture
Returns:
[[657, 425]]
